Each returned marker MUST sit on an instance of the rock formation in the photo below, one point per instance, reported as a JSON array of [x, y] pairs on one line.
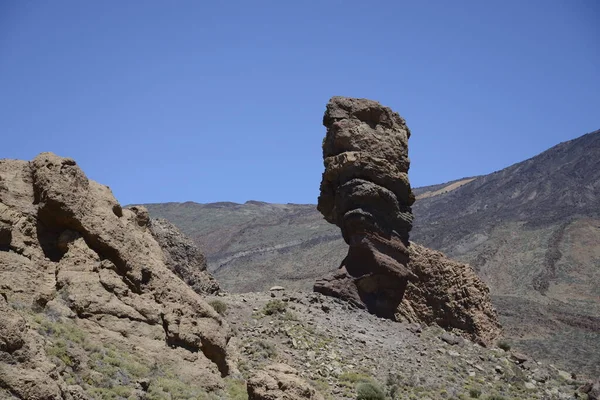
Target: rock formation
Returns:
[[85, 285], [449, 294], [183, 257], [280, 382], [366, 192]]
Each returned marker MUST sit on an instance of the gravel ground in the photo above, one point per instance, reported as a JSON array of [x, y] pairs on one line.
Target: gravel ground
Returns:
[[336, 346]]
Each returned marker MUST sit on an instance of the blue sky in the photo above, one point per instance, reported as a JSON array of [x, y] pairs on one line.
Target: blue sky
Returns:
[[223, 100]]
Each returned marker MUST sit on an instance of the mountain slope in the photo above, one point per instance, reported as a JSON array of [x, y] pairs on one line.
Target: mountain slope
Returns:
[[252, 246], [532, 231]]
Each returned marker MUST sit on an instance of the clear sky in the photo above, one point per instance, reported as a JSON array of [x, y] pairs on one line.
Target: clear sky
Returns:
[[223, 100]]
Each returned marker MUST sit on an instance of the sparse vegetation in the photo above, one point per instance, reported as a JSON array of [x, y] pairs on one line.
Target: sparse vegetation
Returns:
[[261, 349], [504, 344], [289, 316], [474, 393], [275, 306], [354, 377], [369, 391], [219, 306], [106, 371], [236, 389]]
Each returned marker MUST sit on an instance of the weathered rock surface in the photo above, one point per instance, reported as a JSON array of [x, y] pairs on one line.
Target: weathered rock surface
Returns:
[[80, 274], [280, 382], [449, 294], [183, 257], [365, 191]]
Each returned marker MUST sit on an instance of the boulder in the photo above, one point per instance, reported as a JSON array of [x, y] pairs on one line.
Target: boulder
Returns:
[[280, 382]]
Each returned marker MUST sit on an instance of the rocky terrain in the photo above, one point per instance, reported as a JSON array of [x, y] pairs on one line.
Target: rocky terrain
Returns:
[[92, 307], [531, 231], [335, 347]]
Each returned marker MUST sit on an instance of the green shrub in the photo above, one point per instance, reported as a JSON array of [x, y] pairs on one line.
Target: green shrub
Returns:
[[504, 345], [289, 316], [261, 349], [474, 393], [354, 377], [369, 391], [275, 307], [219, 306], [495, 397], [236, 389]]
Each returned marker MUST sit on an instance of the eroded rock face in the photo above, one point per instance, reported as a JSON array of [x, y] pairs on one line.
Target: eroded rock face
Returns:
[[280, 382], [71, 259], [365, 191], [183, 257], [449, 294]]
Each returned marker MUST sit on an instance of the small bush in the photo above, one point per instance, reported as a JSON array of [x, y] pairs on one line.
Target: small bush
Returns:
[[261, 349], [369, 391], [219, 306], [354, 377], [495, 397], [504, 345], [393, 384], [474, 393], [236, 389], [289, 316], [274, 307]]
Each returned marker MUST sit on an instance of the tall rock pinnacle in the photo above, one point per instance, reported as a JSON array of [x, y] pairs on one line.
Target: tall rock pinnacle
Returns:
[[365, 191]]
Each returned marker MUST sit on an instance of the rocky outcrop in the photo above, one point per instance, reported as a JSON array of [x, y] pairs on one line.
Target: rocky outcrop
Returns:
[[183, 257], [449, 294], [280, 382], [80, 277], [365, 191]]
